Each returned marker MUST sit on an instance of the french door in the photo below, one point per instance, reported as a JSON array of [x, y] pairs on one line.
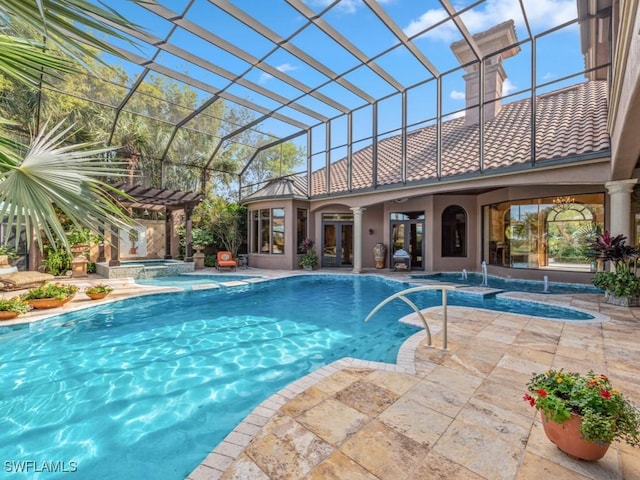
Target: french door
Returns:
[[407, 233], [337, 241]]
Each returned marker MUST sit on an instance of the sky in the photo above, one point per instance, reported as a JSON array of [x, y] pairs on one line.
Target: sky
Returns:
[[558, 55]]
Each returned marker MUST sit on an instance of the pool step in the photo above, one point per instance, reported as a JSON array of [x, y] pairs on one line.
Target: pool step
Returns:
[[482, 291]]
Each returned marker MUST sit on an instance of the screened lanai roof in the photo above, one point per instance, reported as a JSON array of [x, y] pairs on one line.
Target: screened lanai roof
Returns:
[[331, 77]]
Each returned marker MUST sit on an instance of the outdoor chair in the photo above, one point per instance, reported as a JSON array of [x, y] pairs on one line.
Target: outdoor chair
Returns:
[[225, 260], [12, 279]]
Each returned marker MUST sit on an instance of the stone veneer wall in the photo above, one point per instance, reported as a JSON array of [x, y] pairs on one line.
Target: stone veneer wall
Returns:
[[139, 270]]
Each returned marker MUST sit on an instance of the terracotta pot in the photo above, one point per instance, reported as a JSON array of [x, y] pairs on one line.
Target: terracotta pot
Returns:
[[7, 315], [41, 303], [96, 296], [568, 438]]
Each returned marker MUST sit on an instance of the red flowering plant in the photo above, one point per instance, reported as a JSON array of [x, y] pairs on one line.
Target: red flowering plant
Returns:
[[606, 414], [310, 257]]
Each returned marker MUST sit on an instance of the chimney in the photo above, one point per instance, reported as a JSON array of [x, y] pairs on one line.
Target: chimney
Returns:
[[496, 38]]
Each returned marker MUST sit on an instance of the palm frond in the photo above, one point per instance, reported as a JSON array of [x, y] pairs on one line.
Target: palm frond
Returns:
[[25, 61], [70, 25], [68, 177]]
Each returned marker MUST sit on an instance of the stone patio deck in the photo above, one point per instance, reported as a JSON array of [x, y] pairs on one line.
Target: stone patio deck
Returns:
[[455, 414]]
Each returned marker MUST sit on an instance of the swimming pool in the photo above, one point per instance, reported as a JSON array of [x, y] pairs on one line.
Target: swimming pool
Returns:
[[147, 387], [510, 284]]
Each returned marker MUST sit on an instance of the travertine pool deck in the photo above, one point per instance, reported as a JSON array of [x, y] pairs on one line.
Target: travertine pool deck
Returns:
[[454, 414]]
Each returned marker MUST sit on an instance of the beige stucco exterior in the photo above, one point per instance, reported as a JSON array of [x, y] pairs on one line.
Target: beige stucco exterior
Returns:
[[607, 172]]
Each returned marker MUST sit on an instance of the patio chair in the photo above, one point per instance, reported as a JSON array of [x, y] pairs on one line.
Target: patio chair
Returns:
[[225, 260]]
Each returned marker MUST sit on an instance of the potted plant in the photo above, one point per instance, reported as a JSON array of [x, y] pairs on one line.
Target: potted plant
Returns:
[[309, 260], [621, 285], [583, 414], [98, 291], [80, 239], [201, 238], [134, 235], [50, 295], [12, 307], [9, 252]]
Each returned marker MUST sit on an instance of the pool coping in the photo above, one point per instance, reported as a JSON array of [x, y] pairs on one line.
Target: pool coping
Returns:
[[232, 446]]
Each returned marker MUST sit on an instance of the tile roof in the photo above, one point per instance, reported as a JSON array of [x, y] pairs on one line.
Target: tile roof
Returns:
[[294, 186], [570, 122]]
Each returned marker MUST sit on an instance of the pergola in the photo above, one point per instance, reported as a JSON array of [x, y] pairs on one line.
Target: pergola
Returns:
[[156, 199]]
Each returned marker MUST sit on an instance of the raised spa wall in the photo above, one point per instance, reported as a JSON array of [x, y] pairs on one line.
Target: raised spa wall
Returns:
[[145, 269]]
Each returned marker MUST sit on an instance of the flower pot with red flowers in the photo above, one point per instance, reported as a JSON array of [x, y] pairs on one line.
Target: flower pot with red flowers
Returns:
[[583, 414]]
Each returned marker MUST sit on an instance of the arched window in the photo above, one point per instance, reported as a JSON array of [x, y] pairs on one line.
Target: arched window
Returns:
[[454, 232]]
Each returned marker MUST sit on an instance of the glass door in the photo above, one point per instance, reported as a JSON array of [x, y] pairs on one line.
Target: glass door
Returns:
[[337, 243], [407, 233]]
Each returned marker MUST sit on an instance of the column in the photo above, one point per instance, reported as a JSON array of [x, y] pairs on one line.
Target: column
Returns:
[[620, 206], [168, 230], [357, 238], [188, 247], [101, 258], [115, 247]]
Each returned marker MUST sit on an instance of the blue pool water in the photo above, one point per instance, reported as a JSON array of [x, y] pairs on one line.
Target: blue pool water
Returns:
[[511, 284], [146, 387], [187, 281]]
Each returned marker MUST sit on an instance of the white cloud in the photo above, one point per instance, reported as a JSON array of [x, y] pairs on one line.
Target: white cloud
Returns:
[[428, 18], [549, 76], [265, 77], [508, 87], [457, 95], [345, 6], [541, 14], [286, 67]]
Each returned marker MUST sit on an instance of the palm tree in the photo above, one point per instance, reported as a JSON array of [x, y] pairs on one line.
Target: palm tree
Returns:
[[49, 172]]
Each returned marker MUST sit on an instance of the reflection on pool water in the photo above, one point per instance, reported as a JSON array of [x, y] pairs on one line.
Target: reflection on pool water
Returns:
[[510, 284], [147, 387]]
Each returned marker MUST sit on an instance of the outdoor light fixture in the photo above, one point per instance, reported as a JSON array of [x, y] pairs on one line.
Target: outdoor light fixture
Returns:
[[564, 202]]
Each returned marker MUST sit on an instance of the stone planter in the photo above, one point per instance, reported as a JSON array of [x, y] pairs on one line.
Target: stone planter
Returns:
[[8, 315], [621, 301]]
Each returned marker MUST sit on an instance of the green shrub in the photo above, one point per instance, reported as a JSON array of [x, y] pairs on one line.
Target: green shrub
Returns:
[[57, 262], [210, 261]]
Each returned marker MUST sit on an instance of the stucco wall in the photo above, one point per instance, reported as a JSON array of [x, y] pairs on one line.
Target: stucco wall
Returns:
[[289, 259]]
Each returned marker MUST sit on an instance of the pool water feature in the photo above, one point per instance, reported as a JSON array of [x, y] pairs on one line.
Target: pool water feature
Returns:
[[510, 284], [147, 387]]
